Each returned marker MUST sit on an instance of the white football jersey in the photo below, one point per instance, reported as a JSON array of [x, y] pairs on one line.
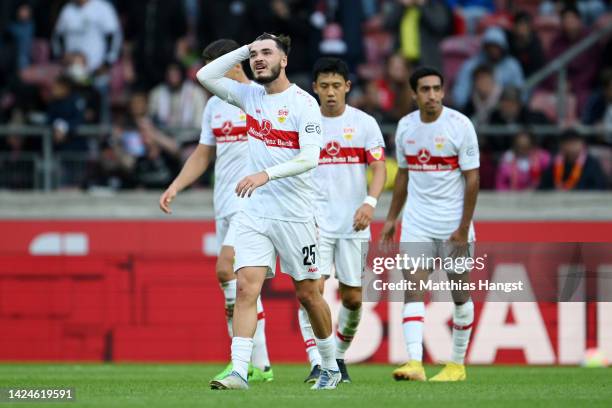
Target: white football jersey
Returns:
[[224, 126], [278, 125], [351, 141], [435, 154]]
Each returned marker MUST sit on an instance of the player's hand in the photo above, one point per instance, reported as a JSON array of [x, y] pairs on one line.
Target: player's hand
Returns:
[[247, 185], [388, 232], [363, 217], [459, 242], [166, 198]]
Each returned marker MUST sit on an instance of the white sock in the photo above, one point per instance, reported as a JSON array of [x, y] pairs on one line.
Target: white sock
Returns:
[[413, 317], [463, 318], [309, 339], [260, 357], [229, 292], [242, 347], [327, 349], [348, 320]]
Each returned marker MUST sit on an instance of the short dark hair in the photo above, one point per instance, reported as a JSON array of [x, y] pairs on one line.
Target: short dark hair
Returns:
[[218, 48], [283, 42], [522, 16], [569, 8], [423, 72], [482, 69], [330, 65]]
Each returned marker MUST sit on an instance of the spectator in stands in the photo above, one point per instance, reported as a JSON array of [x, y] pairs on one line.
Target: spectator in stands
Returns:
[[419, 24], [506, 69], [573, 167], [524, 44], [521, 167], [91, 27], [598, 111], [393, 90], [178, 101], [76, 71], [65, 113], [512, 111], [582, 69], [22, 31], [243, 15], [472, 11], [485, 96], [339, 30], [154, 28], [291, 17]]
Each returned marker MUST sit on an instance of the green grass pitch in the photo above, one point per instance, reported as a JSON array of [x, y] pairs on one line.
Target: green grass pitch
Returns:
[[186, 385]]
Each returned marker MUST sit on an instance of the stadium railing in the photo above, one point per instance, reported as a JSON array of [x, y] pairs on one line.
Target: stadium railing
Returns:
[[559, 66], [47, 169]]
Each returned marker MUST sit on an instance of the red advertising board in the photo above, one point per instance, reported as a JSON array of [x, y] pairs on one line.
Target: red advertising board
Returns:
[[146, 291]]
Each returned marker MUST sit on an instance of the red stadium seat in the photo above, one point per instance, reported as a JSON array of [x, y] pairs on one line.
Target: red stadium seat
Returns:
[[546, 102], [41, 51], [455, 51]]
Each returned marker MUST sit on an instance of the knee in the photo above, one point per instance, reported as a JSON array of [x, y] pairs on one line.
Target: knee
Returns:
[[225, 269], [308, 297], [351, 299], [245, 290]]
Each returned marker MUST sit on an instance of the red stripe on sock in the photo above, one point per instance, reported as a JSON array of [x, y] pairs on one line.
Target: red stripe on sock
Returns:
[[261, 315], [466, 327], [344, 338], [310, 343], [414, 319]]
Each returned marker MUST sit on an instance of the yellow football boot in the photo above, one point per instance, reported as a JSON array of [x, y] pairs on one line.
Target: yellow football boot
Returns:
[[411, 371], [450, 372]]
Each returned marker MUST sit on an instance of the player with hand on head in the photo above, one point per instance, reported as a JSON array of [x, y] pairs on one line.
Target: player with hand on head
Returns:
[[438, 179], [352, 141], [224, 136], [284, 129]]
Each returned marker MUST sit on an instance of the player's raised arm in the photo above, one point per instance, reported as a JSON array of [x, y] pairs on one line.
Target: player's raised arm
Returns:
[[212, 76]]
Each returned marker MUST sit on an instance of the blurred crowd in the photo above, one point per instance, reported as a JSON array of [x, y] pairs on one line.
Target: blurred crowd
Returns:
[[130, 65]]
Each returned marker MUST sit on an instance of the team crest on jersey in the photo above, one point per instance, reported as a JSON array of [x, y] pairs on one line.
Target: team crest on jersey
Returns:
[[332, 148], [377, 153], [423, 156], [439, 142], [242, 116], [282, 115], [348, 133], [226, 127]]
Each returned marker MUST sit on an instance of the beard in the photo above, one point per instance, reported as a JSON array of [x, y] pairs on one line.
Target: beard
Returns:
[[263, 80]]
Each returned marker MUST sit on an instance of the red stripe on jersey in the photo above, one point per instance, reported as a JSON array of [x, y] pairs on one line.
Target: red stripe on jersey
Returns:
[[236, 135], [310, 343], [413, 319], [236, 130], [375, 154], [334, 154], [261, 315], [286, 139], [466, 327], [432, 163], [342, 337]]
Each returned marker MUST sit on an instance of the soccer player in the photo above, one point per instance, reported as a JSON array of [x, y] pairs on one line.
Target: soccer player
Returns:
[[284, 129], [352, 141], [224, 134], [438, 158]]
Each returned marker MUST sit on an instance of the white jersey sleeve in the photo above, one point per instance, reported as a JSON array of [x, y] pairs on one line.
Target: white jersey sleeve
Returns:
[[207, 136], [399, 146], [469, 155], [374, 141], [309, 126]]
